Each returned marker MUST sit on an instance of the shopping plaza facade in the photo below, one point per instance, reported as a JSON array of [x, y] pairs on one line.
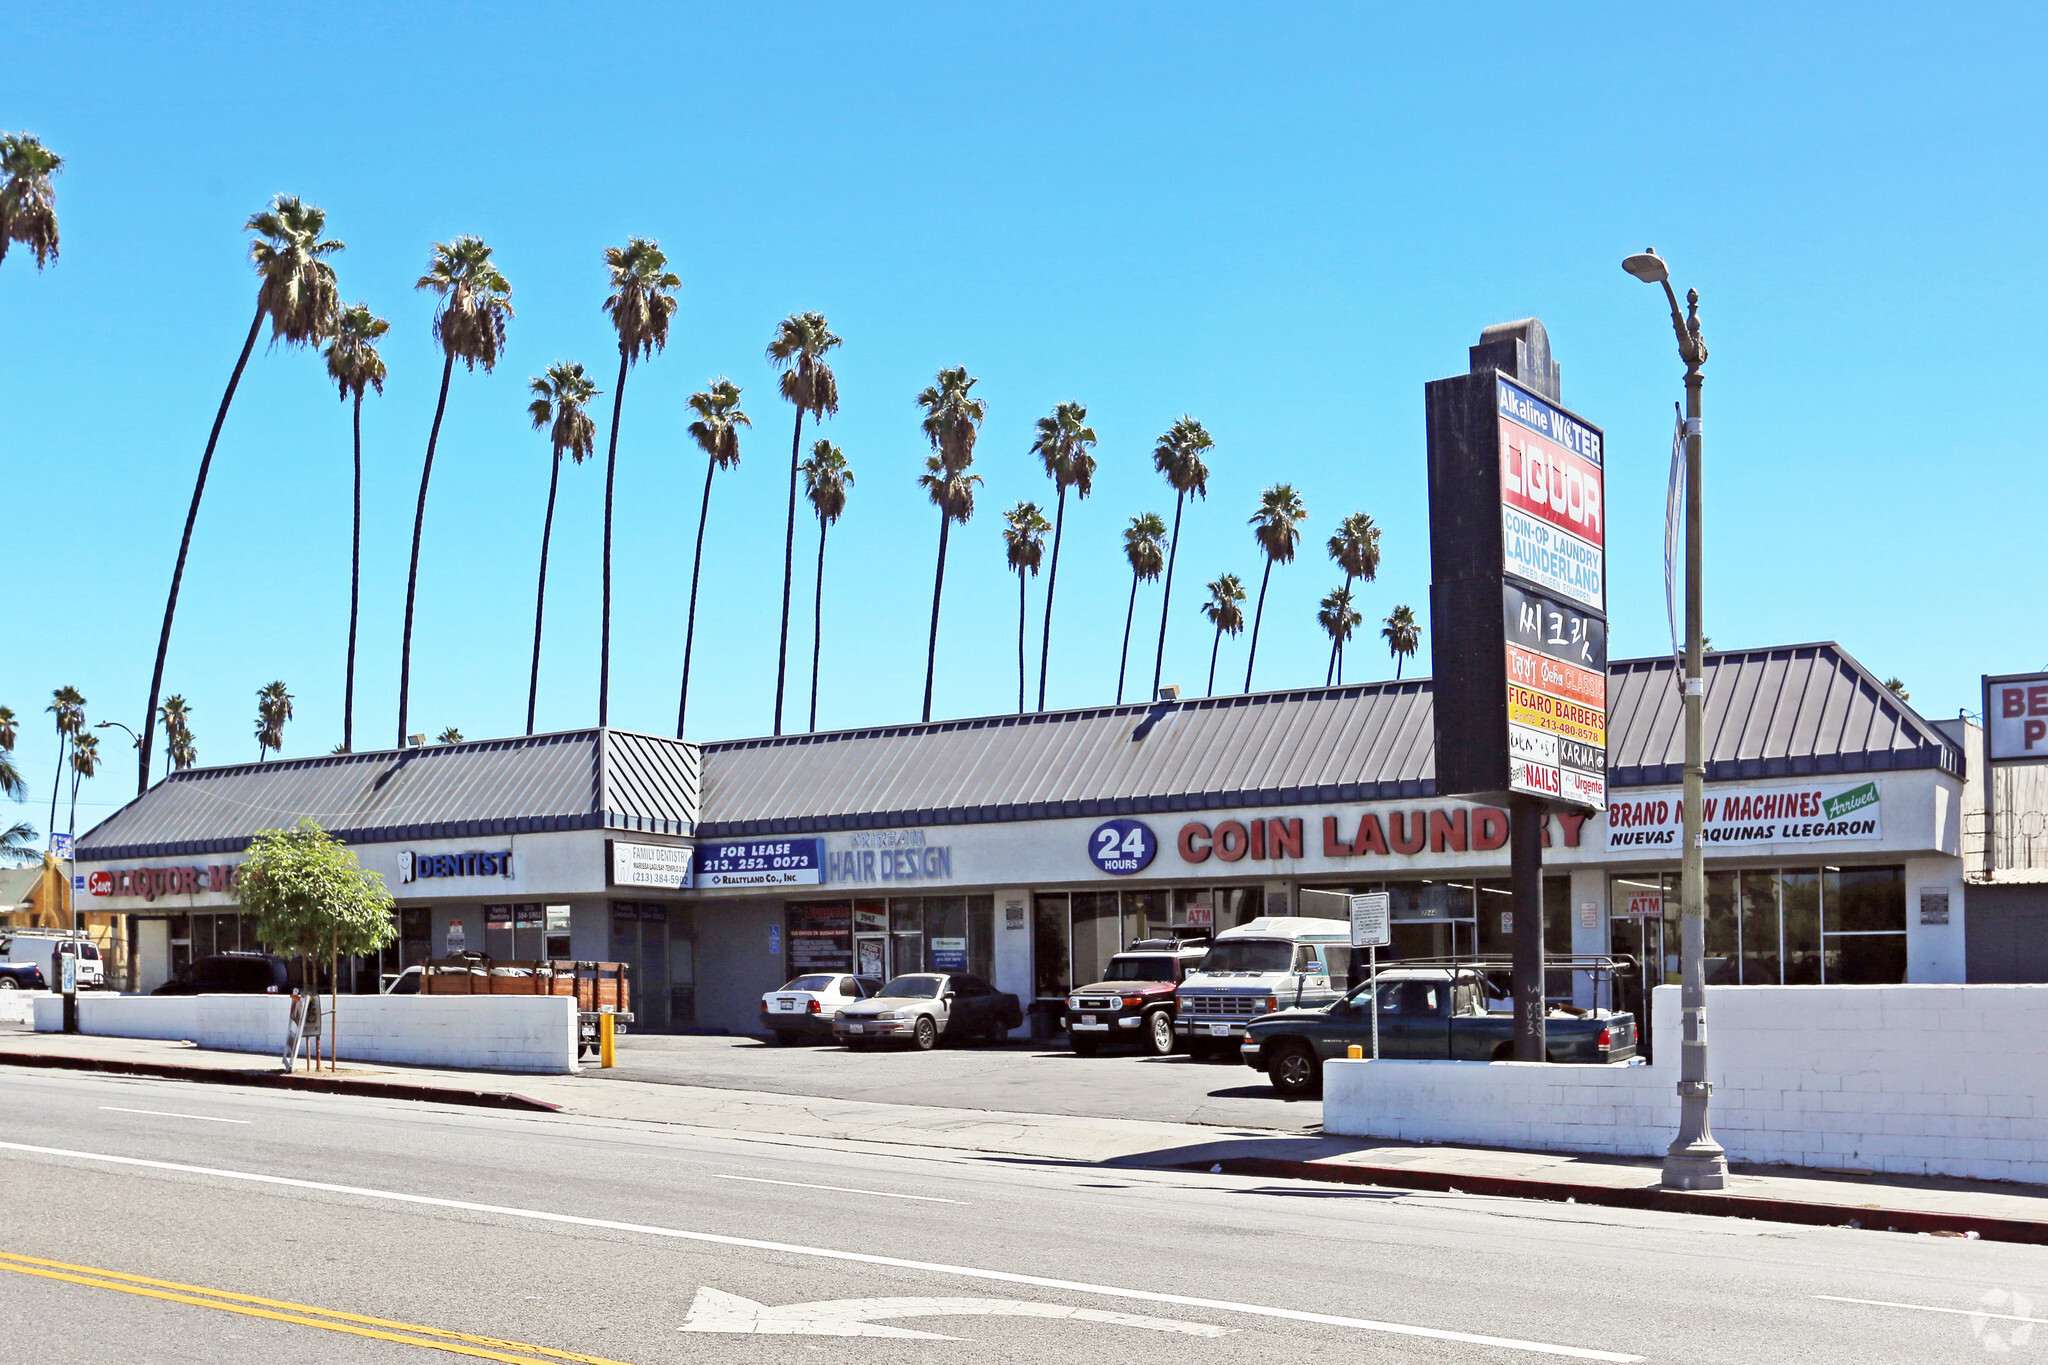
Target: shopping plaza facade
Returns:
[[1028, 848]]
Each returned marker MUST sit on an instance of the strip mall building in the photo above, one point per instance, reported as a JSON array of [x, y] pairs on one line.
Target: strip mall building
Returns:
[[1029, 848]]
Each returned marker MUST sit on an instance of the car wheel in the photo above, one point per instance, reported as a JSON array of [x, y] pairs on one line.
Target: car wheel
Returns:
[[1086, 1045], [925, 1036], [1504, 1052], [8, 983], [1294, 1069], [1159, 1033]]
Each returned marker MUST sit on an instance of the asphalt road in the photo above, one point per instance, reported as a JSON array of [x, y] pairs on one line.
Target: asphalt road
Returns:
[[614, 1241], [1021, 1078]]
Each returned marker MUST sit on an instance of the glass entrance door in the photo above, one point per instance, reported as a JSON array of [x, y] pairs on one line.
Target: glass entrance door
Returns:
[[640, 940]]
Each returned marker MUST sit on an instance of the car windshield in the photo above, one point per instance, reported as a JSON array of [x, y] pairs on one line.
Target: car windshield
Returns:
[[1139, 969], [1249, 955], [913, 987], [810, 983]]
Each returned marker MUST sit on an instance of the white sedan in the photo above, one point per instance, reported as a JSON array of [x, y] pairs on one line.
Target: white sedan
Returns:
[[806, 1007]]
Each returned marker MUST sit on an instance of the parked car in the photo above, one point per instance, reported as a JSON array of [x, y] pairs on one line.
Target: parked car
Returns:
[[231, 974], [406, 982], [1426, 1014], [924, 1007], [21, 976], [807, 1005], [1270, 963], [1135, 1000], [46, 947]]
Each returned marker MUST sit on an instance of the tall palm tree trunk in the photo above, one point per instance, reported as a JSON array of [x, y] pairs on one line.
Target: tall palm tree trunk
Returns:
[[818, 621], [931, 650], [412, 574], [57, 782], [163, 642], [611, 468], [696, 571], [1123, 659], [1257, 617], [72, 825], [355, 580], [540, 596], [788, 564], [1218, 644], [1052, 578], [1166, 601], [1335, 672], [1020, 642], [1398, 660]]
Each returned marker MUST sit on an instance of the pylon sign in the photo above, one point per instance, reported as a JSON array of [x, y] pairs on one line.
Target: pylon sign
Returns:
[[1518, 597]]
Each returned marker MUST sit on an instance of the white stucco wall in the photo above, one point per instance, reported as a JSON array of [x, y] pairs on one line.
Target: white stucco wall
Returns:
[[1910, 1080], [532, 1033]]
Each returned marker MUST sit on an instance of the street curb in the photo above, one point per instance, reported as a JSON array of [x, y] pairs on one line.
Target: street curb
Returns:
[[331, 1085], [1652, 1198]]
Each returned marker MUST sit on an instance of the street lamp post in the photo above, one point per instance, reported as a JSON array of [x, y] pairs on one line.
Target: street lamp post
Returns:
[[132, 735], [1694, 1160]]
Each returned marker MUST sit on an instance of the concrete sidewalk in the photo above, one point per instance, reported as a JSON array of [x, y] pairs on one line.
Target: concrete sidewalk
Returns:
[[1934, 1205]]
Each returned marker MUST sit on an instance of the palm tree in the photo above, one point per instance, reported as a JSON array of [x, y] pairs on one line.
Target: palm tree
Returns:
[[1178, 456], [68, 708], [273, 709], [475, 301], [826, 479], [1064, 440], [297, 293], [10, 729], [1144, 549], [952, 423], [1897, 687], [85, 762], [1277, 527], [451, 735], [560, 398], [178, 747], [1402, 636], [28, 202], [802, 340], [717, 433], [18, 841], [11, 784], [354, 365], [641, 305], [1339, 619], [1356, 548], [1223, 610], [1024, 541]]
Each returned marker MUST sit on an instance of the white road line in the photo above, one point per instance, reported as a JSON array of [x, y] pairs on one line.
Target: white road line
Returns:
[[167, 1114], [1929, 1308], [839, 1189], [862, 1258]]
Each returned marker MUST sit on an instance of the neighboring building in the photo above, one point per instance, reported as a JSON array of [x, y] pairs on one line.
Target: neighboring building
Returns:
[[34, 897], [1028, 848]]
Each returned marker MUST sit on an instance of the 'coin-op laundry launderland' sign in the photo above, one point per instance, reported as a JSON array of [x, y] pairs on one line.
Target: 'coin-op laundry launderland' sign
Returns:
[[1811, 814]]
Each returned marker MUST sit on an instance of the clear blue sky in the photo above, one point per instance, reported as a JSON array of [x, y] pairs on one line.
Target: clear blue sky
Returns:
[[1282, 223]]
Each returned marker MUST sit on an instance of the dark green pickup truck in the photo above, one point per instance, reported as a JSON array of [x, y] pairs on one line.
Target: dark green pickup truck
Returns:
[[1426, 1014]]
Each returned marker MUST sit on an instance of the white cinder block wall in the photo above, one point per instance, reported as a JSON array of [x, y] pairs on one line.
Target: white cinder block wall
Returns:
[[1918, 1080], [533, 1033]]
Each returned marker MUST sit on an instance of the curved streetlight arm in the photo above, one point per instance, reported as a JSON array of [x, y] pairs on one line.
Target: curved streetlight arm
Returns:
[[119, 726]]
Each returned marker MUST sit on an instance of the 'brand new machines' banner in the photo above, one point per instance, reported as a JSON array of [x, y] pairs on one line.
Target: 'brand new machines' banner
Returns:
[[1816, 813]]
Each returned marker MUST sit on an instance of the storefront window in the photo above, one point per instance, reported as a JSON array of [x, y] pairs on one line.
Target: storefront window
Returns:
[[1760, 929], [945, 927], [1049, 945], [1777, 926], [1799, 901], [1098, 929], [820, 936], [1865, 925], [1146, 915], [906, 935], [1724, 934]]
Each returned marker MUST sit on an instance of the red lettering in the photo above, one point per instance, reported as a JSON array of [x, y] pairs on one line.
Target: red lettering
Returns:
[[1489, 829], [1370, 837], [1191, 851], [1409, 830], [2037, 701], [2013, 702], [1333, 842], [1447, 831], [2036, 729], [1258, 832], [1283, 838], [1572, 822], [1233, 840]]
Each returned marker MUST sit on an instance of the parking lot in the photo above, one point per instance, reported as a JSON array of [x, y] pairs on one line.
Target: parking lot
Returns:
[[1022, 1078]]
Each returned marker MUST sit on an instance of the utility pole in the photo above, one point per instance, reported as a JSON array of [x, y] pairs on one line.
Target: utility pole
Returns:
[[1694, 1161]]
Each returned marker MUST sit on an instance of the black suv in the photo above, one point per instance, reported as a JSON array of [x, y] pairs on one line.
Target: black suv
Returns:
[[232, 974]]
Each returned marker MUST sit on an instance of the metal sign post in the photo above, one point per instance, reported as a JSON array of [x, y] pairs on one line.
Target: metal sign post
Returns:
[[1371, 931]]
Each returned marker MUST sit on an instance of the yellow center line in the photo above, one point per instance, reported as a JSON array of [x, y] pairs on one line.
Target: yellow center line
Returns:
[[355, 1324]]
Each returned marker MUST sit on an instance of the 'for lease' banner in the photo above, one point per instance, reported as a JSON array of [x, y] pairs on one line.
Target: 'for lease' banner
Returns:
[[1816, 813]]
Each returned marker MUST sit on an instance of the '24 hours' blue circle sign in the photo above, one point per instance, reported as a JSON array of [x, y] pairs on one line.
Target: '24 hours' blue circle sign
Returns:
[[1121, 847]]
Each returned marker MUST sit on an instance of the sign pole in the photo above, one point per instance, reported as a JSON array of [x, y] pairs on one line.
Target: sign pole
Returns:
[[1373, 956], [1372, 930], [1531, 1025]]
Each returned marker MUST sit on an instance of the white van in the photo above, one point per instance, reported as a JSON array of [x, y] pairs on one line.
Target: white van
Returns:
[[1271, 963], [45, 947]]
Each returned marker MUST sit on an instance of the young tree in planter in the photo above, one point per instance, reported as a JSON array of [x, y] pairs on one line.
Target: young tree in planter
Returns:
[[312, 902]]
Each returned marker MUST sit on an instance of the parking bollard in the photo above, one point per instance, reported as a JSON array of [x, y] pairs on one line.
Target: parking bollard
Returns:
[[606, 1048]]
